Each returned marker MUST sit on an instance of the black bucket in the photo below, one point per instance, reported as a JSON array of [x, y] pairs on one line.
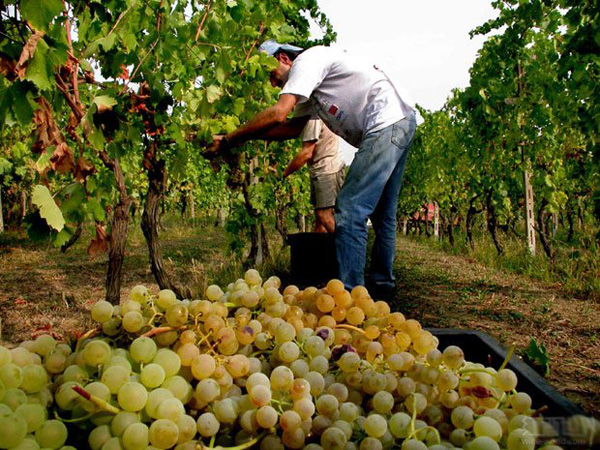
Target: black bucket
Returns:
[[313, 260]]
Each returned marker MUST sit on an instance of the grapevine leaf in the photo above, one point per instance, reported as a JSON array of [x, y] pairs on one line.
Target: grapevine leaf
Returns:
[[40, 13], [213, 93], [104, 103], [44, 160], [5, 166], [96, 138], [37, 228], [62, 160], [96, 209], [74, 200], [108, 41], [62, 237], [99, 244], [40, 70], [49, 210]]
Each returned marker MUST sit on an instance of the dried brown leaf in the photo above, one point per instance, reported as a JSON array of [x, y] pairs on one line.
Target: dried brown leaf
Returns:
[[83, 169], [62, 159], [99, 244], [46, 131], [27, 53]]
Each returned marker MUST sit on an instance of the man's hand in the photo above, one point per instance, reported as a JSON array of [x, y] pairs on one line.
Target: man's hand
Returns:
[[218, 145], [219, 153]]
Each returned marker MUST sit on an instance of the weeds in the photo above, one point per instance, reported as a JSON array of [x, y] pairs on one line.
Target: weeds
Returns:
[[538, 357], [576, 270]]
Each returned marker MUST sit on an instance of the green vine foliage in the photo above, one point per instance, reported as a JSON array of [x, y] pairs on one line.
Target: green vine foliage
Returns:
[[528, 107], [102, 82]]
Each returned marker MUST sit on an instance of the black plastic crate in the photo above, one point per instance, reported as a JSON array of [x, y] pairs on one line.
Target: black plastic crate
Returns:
[[313, 259], [480, 347]]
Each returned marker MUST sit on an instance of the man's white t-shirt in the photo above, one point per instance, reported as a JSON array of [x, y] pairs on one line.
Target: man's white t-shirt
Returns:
[[326, 156], [351, 96]]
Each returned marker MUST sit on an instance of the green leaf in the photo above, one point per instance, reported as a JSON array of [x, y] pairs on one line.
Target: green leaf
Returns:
[[40, 69], [49, 210], [44, 160], [239, 105], [538, 354], [220, 74], [108, 42], [5, 166], [104, 102], [95, 208], [74, 200], [39, 13], [96, 138], [22, 109], [213, 93], [62, 237]]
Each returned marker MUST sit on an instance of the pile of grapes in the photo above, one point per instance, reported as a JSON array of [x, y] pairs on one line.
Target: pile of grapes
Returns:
[[257, 366]]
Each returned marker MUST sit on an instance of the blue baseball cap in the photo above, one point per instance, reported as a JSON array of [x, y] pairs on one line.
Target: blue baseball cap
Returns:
[[271, 47]]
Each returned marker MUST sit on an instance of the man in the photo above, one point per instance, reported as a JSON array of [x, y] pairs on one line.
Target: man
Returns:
[[320, 149], [358, 102]]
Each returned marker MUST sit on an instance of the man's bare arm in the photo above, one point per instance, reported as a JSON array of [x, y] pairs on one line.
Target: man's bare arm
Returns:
[[301, 158], [262, 123], [290, 129]]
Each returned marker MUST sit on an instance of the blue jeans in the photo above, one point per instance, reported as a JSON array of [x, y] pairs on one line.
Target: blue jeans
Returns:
[[371, 191]]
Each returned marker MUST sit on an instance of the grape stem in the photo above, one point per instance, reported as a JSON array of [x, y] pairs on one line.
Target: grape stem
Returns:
[[467, 371], [243, 446], [160, 330], [261, 352], [350, 327], [413, 419], [78, 419], [281, 402], [97, 401], [205, 338], [436, 432], [509, 354], [539, 411], [86, 335], [500, 400]]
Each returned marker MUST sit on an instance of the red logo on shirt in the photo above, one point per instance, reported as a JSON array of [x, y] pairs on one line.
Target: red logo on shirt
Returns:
[[332, 110]]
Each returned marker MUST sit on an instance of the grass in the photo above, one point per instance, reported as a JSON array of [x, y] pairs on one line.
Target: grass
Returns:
[[576, 268], [43, 290], [454, 290]]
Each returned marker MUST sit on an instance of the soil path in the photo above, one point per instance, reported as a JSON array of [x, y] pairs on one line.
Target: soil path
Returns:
[[448, 291], [42, 290]]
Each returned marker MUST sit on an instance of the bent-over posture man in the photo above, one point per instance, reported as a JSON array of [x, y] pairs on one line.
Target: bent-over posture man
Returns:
[[320, 149], [358, 102]]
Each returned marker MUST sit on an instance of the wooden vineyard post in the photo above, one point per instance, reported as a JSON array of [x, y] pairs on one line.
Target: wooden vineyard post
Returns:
[[436, 220], [405, 227], [554, 224], [221, 216], [529, 213], [192, 205], [1, 216], [23, 204]]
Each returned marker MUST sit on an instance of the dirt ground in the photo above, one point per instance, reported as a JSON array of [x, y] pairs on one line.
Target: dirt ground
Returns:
[[43, 290], [457, 292]]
